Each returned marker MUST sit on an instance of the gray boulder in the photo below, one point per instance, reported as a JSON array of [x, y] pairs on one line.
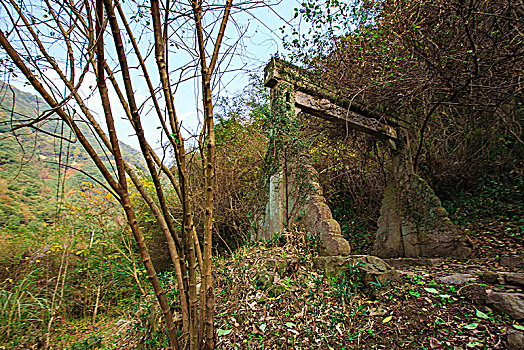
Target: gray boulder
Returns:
[[512, 304], [512, 261], [515, 279], [499, 277], [373, 269], [493, 277], [515, 339], [457, 278]]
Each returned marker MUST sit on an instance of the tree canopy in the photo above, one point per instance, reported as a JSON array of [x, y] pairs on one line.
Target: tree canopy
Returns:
[[453, 69]]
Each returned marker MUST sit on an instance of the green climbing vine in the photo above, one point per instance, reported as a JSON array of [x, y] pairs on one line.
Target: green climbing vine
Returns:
[[287, 148]]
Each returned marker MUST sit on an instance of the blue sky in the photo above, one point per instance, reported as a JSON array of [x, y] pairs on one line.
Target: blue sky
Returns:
[[262, 39]]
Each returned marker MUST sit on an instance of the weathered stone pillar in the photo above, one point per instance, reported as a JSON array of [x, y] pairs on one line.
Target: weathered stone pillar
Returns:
[[275, 217], [314, 215], [295, 196], [412, 221]]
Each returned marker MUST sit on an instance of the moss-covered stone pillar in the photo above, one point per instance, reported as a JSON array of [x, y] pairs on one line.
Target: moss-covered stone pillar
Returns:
[[412, 221], [283, 125], [294, 194]]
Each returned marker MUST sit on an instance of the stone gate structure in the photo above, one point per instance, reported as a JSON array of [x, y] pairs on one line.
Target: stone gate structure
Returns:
[[412, 222]]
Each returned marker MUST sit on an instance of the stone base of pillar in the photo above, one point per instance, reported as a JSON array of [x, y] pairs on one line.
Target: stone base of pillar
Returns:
[[413, 223], [299, 201]]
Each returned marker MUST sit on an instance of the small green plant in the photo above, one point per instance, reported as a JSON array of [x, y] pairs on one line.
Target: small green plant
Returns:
[[349, 281], [277, 239], [313, 242], [414, 293], [418, 280], [378, 284]]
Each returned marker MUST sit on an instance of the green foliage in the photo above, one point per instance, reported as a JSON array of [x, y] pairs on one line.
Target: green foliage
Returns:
[[348, 282], [249, 106], [23, 308], [104, 255], [323, 21], [37, 170], [92, 342], [68, 270], [358, 228], [277, 239], [498, 198], [314, 243], [147, 317]]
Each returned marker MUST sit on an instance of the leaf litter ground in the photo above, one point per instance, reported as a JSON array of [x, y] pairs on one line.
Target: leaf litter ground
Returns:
[[305, 310], [302, 309]]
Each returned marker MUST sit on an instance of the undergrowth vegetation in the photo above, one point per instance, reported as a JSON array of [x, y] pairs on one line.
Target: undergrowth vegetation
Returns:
[[81, 269], [301, 308], [491, 214]]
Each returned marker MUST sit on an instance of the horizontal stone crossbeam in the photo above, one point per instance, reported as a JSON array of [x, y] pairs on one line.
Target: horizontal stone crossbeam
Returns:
[[325, 109], [325, 101]]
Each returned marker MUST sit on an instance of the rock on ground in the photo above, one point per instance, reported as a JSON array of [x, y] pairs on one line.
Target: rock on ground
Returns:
[[501, 277], [512, 261], [516, 279], [374, 269], [515, 339], [457, 278], [511, 304]]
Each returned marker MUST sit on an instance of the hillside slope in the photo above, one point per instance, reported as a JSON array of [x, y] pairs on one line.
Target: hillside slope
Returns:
[[37, 169]]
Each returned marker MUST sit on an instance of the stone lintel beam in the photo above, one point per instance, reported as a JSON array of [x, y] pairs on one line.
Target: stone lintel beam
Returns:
[[324, 108], [278, 70]]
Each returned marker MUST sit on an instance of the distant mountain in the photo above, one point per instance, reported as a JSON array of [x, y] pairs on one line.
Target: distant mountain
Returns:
[[33, 161]]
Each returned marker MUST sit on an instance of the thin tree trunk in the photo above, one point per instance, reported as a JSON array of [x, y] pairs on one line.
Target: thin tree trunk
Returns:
[[126, 202], [188, 226], [207, 295]]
